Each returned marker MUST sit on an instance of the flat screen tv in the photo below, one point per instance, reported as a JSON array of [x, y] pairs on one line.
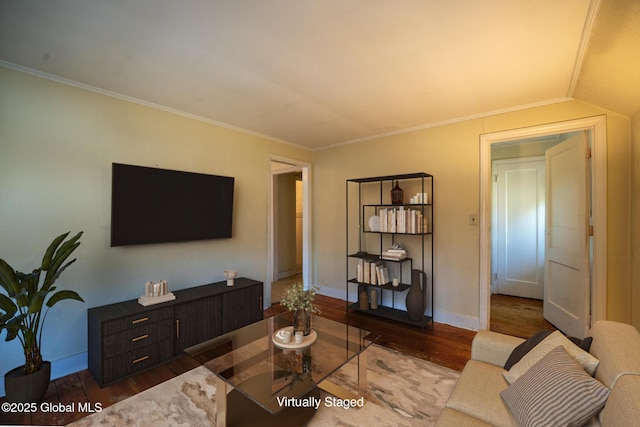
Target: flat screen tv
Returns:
[[150, 205]]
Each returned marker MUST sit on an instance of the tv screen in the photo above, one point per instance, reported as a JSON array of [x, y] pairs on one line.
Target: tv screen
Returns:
[[150, 205]]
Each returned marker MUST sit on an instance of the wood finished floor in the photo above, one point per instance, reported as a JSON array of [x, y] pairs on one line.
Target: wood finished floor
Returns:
[[442, 344], [520, 317]]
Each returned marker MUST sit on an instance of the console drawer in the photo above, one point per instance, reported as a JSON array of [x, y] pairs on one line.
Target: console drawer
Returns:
[[137, 360], [132, 339], [137, 320]]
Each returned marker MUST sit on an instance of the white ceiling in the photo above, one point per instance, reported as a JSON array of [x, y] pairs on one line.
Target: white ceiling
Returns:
[[311, 73]]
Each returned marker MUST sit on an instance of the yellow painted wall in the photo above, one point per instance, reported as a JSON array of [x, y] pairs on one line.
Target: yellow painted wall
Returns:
[[57, 143], [635, 221], [451, 154]]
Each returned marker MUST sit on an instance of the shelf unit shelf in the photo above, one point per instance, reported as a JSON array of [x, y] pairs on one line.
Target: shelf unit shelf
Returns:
[[393, 314], [372, 196], [401, 234], [389, 286]]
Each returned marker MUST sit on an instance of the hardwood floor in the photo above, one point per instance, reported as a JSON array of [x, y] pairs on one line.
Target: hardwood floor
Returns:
[[442, 344], [520, 317]]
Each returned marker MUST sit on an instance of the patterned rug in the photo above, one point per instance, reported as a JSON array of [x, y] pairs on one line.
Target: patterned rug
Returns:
[[402, 391]]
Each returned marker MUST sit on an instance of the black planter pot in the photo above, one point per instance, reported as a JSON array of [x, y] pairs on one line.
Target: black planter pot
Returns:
[[27, 388]]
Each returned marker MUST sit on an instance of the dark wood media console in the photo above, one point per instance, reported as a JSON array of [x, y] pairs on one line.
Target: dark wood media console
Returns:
[[126, 338]]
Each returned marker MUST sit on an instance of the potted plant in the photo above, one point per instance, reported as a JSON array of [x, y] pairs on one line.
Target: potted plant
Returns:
[[300, 302], [22, 315]]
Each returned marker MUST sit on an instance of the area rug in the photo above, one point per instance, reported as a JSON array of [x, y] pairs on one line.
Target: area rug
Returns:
[[402, 391]]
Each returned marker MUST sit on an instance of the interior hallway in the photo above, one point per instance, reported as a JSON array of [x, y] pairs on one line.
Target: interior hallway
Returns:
[[277, 288]]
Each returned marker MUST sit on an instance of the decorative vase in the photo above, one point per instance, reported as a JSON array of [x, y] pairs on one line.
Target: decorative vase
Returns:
[[415, 296], [363, 298], [230, 276], [397, 195], [374, 299], [21, 388], [302, 322]]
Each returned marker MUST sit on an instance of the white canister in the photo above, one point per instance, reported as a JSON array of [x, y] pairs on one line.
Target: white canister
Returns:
[[374, 299]]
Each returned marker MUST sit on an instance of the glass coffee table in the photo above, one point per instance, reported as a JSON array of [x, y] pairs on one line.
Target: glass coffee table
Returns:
[[260, 378]]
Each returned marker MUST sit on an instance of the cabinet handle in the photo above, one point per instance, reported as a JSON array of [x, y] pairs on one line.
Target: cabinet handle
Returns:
[[144, 319], [178, 328], [140, 359], [140, 338], [260, 308]]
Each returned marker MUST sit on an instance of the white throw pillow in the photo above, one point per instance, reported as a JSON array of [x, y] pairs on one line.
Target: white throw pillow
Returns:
[[587, 361]]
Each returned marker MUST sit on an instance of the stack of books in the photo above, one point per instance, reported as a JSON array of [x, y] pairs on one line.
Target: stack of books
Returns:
[[403, 221], [394, 254], [372, 272]]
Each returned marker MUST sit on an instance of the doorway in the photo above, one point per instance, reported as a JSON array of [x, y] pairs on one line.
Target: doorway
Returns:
[[289, 226], [596, 127], [518, 234], [288, 217], [518, 224]]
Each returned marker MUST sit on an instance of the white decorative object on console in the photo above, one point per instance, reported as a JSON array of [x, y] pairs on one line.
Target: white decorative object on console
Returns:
[[230, 275], [155, 293]]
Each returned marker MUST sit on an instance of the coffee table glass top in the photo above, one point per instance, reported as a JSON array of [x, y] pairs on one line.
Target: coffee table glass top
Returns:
[[248, 360]]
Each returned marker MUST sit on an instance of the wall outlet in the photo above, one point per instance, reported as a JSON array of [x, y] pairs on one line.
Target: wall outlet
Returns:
[[473, 219]]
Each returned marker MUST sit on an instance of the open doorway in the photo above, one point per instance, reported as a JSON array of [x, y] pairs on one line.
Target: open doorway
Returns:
[[288, 218], [596, 128], [518, 235], [289, 226]]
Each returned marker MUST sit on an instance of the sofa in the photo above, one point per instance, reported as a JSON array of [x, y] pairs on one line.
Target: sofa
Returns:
[[549, 383]]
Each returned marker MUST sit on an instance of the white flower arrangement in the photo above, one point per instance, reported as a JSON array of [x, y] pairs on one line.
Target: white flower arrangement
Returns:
[[297, 298]]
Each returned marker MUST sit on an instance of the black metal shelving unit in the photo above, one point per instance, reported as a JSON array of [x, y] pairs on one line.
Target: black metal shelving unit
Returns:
[[369, 200]]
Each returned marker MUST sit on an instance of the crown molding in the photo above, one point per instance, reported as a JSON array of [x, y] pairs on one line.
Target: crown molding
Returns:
[[142, 102]]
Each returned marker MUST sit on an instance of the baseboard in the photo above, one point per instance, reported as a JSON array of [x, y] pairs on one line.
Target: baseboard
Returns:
[[332, 292], [63, 367], [457, 320]]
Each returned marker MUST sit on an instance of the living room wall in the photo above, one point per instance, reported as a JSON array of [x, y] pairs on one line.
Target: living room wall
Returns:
[[451, 153], [57, 143], [635, 222]]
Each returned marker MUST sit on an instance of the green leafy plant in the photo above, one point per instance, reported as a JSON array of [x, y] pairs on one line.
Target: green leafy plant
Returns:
[[21, 309], [297, 298]]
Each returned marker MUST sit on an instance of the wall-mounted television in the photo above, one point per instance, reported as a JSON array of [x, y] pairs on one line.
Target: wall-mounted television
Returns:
[[151, 205]]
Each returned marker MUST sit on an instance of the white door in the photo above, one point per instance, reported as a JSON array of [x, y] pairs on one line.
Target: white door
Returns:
[[567, 279], [520, 224]]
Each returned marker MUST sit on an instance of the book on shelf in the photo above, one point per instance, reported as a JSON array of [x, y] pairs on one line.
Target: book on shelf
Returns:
[[383, 275], [367, 271], [373, 276]]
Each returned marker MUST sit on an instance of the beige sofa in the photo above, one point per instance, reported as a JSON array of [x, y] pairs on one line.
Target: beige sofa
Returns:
[[476, 400]]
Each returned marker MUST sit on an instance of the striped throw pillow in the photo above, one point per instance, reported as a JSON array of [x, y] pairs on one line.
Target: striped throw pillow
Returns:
[[556, 391]]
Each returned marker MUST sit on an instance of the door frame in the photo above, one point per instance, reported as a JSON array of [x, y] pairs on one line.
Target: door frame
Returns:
[[597, 126], [305, 168]]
